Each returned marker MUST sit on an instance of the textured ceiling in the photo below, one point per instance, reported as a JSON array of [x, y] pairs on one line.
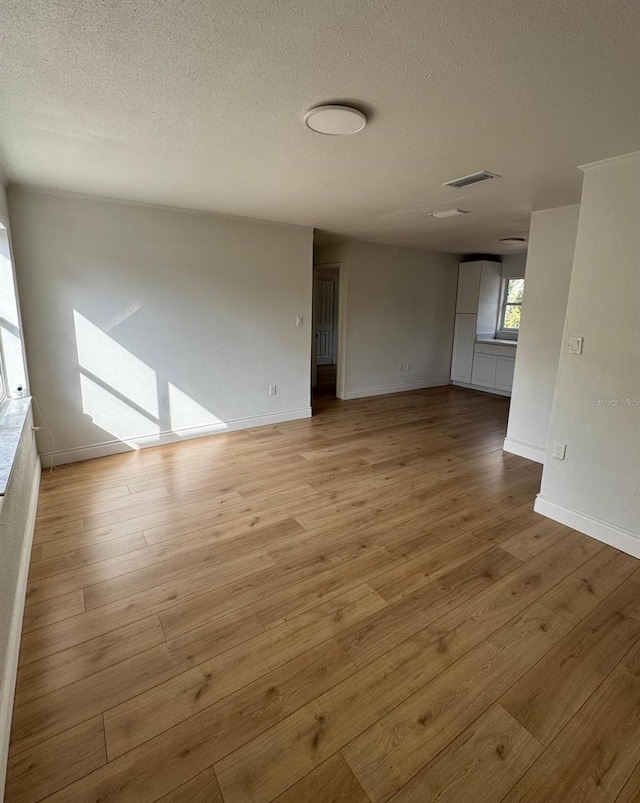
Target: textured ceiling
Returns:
[[199, 104]]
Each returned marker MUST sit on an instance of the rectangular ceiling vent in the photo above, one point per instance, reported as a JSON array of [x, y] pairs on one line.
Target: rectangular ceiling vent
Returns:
[[448, 213], [473, 178]]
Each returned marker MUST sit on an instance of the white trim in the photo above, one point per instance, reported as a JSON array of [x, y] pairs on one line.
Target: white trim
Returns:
[[383, 390], [482, 388], [625, 157], [623, 540], [13, 646], [172, 436], [524, 450]]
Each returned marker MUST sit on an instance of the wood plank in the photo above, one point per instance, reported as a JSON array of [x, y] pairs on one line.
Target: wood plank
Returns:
[[54, 562], [592, 758], [551, 692], [384, 630], [631, 791], [331, 782], [65, 667], [53, 610], [88, 506], [52, 765], [534, 539], [166, 704], [63, 708], [176, 755], [398, 745], [91, 624], [48, 587], [483, 762], [176, 567], [201, 789], [441, 558], [513, 593], [584, 589], [178, 616], [364, 566], [272, 762], [185, 604]]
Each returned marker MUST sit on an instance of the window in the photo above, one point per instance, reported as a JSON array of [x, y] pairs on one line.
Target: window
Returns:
[[511, 307], [3, 377]]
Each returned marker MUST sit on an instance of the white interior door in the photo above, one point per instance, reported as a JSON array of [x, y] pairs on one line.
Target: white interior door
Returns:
[[325, 321]]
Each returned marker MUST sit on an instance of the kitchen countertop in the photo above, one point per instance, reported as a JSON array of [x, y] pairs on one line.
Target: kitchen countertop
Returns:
[[496, 341]]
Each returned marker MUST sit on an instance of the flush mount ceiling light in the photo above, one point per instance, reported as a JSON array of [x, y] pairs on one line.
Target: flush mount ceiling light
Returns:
[[449, 213], [336, 121], [472, 178], [513, 240]]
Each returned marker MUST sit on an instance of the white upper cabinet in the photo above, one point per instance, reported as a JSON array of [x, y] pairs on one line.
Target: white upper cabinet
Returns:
[[479, 293], [487, 365], [468, 287]]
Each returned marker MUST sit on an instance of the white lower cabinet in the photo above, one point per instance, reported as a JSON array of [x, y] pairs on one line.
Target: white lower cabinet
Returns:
[[504, 373], [492, 368], [484, 370]]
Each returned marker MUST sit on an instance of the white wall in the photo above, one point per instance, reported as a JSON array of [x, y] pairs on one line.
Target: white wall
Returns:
[[596, 407], [397, 306], [145, 320], [514, 265], [552, 241], [17, 515]]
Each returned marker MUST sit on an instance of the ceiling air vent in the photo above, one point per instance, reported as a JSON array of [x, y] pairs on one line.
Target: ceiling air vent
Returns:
[[473, 178], [448, 213]]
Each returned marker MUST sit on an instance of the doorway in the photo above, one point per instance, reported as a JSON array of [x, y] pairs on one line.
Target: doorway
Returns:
[[326, 290]]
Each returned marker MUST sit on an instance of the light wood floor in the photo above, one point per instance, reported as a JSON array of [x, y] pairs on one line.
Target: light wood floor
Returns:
[[357, 607]]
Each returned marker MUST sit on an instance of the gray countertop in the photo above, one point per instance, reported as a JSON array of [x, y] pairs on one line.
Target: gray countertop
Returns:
[[496, 341], [13, 414]]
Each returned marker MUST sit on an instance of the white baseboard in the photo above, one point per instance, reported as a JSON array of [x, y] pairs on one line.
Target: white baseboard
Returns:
[[13, 647], [624, 540], [383, 390], [482, 389], [524, 450], [172, 436]]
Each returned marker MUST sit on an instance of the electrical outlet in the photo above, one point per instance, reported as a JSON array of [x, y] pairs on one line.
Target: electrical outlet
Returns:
[[408, 366], [401, 367], [272, 390], [559, 450], [299, 320]]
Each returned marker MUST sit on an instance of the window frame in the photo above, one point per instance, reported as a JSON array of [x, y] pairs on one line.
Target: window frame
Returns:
[[4, 384], [3, 377], [502, 331]]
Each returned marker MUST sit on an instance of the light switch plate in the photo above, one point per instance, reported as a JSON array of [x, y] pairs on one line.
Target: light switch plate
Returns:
[[575, 345]]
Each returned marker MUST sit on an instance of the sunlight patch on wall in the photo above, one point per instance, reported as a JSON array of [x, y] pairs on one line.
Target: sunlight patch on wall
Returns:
[[122, 394], [115, 366], [112, 414], [186, 413]]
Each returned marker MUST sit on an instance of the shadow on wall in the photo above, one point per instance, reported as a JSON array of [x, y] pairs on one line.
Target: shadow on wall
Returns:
[[127, 398]]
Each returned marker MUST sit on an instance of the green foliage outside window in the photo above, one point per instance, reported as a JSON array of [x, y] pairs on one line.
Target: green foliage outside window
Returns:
[[513, 304]]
